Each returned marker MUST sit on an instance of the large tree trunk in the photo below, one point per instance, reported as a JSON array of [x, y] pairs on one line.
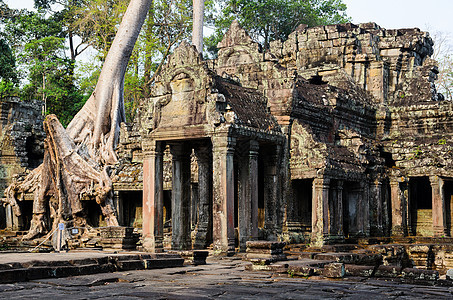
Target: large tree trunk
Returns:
[[197, 29], [76, 160]]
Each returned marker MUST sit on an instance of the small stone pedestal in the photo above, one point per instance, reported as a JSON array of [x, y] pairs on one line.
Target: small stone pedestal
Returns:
[[118, 237], [199, 257], [265, 252]]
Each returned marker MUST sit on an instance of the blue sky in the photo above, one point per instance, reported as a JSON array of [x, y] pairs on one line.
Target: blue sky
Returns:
[[432, 15]]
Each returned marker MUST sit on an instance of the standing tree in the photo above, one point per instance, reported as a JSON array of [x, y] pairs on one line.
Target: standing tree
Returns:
[[197, 32], [76, 159]]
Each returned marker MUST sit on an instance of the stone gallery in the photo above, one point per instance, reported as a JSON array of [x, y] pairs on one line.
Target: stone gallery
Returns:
[[335, 135]]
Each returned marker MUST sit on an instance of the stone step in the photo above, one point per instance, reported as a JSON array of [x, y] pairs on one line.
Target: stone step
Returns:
[[37, 269]]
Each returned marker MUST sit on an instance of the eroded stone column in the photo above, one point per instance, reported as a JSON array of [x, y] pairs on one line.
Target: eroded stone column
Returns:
[[272, 188], [253, 179], [340, 219], [180, 197], [398, 209], [223, 190], [118, 203], [204, 160], [153, 204], [439, 208], [363, 215], [320, 211], [337, 208], [248, 195], [377, 209]]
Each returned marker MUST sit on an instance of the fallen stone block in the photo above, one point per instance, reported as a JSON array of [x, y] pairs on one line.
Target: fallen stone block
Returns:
[[39, 273], [64, 271], [163, 263], [388, 271], [303, 271], [265, 245], [13, 275], [334, 270], [418, 274], [5, 267], [83, 261], [357, 270], [309, 255], [271, 251], [125, 265]]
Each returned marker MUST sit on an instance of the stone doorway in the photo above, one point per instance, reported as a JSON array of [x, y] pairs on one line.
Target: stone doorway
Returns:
[[352, 216], [420, 207], [448, 192], [303, 194], [132, 208]]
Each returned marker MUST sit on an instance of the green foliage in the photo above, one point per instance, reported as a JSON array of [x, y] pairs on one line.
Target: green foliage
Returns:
[[268, 20], [51, 76], [442, 141], [167, 24], [417, 153]]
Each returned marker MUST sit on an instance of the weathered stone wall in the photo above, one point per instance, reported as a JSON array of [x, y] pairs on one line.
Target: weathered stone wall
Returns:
[[21, 147]]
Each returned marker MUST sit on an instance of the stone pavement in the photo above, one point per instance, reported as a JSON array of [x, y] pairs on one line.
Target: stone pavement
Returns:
[[223, 278]]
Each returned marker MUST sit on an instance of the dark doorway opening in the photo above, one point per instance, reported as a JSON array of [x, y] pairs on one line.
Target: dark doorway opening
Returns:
[[302, 191], [420, 206]]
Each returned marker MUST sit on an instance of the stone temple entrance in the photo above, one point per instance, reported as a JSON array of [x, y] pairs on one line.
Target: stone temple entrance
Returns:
[[236, 145]]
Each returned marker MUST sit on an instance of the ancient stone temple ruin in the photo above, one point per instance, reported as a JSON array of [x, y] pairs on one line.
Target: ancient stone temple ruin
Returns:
[[334, 135]]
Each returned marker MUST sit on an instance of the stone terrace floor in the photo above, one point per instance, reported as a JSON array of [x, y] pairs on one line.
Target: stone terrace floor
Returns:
[[223, 278]]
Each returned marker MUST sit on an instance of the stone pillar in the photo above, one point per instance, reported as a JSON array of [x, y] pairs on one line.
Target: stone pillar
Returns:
[[194, 204], [439, 207], [364, 212], [118, 203], [10, 219], [272, 194], [398, 209], [248, 195], [320, 211], [377, 209], [223, 188], [180, 197], [253, 180], [202, 233], [336, 210], [153, 204], [340, 219]]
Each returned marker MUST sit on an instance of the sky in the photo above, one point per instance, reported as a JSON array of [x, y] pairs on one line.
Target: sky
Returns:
[[390, 14], [428, 15]]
